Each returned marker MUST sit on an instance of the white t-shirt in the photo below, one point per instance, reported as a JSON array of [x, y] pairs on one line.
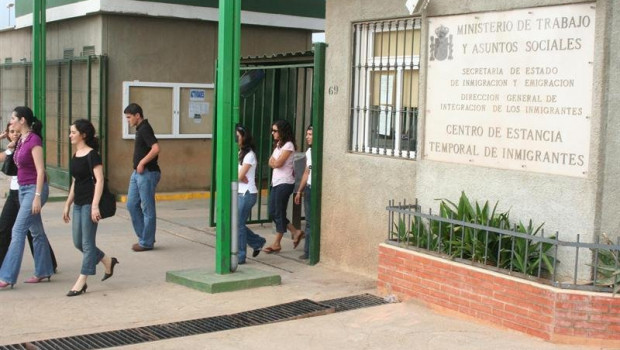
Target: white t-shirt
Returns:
[[309, 165], [283, 174], [14, 184], [249, 158]]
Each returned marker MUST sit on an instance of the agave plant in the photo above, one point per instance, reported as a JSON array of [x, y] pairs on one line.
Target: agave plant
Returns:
[[469, 243], [479, 244], [529, 257], [608, 267], [399, 231], [425, 235]]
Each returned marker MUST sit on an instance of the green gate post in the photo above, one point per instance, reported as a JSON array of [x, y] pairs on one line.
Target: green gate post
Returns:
[[229, 28], [318, 102], [38, 63]]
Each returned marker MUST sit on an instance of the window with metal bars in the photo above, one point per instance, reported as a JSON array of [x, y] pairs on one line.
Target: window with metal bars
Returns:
[[384, 100]]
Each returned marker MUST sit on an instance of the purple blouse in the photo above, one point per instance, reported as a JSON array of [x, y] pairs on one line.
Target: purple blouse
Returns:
[[26, 171]]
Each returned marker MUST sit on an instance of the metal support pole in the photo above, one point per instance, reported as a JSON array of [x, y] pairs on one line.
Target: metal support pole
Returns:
[[38, 63], [227, 91], [318, 102], [234, 215]]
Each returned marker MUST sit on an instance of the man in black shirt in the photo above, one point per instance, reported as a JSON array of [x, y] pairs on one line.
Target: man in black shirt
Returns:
[[144, 179]]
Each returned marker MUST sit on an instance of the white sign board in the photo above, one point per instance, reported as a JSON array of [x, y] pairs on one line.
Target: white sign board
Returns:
[[513, 89]]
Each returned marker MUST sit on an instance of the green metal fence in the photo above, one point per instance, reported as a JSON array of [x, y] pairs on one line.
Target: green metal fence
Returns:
[[76, 88], [272, 92]]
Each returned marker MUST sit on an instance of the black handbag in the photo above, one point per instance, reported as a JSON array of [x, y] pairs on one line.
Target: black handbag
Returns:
[[9, 167], [107, 202]]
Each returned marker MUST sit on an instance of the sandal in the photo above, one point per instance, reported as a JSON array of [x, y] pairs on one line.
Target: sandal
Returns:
[[298, 239], [270, 250]]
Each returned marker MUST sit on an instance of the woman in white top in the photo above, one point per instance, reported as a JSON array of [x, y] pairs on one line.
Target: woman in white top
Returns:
[[247, 194], [282, 183]]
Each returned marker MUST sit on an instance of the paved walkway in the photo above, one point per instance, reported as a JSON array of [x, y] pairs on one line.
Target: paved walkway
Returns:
[[137, 295]]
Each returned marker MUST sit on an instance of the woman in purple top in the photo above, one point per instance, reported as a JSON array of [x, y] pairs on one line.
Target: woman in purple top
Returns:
[[33, 193], [11, 205]]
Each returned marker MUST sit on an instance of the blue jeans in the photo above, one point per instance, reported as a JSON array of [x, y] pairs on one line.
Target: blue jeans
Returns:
[[278, 203], [26, 220], [7, 219], [245, 203], [84, 231], [141, 205], [307, 214]]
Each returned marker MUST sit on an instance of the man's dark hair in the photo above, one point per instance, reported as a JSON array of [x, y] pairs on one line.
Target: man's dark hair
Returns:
[[134, 108]]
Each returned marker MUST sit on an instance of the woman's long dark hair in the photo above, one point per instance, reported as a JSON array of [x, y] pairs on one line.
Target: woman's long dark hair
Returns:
[[247, 143], [87, 129], [32, 121], [285, 132]]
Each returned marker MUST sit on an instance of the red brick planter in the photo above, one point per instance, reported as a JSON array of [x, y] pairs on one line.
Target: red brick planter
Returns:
[[550, 313]]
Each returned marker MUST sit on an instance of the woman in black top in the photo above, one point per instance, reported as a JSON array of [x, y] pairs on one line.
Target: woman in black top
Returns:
[[85, 193]]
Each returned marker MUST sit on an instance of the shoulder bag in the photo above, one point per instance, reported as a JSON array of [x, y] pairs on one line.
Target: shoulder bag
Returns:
[[9, 167], [107, 203]]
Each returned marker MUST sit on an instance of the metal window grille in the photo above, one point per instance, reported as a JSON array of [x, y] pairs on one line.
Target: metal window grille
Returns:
[[384, 99], [509, 250]]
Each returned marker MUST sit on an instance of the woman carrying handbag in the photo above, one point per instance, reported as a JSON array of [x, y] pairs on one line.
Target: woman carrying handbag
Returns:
[[85, 194]]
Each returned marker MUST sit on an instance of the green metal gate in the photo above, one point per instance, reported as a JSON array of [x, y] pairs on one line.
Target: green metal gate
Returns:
[[270, 92], [76, 88]]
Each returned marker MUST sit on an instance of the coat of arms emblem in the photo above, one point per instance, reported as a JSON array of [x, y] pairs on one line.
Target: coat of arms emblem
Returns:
[[441, 46]]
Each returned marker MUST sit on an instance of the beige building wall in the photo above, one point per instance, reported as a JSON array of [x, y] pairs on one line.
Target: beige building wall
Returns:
[[16, 47], [356, 187], [16, 44], [167, 50]]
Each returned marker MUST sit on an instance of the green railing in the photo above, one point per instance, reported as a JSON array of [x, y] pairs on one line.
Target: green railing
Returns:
[[277, 92], [76, 88]]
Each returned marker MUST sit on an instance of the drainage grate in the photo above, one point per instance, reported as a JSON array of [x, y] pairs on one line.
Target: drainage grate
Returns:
[[278, 313], [354, 302]]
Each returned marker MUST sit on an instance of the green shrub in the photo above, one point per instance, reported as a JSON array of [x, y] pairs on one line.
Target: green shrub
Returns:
[[478, 244], [528, 257], [608, 267]]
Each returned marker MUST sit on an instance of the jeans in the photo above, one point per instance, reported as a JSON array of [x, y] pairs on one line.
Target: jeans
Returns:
[[307, 214], [278, 203], [245, 202], [84, 231], [141, 205], [26, 220], [7, 220]]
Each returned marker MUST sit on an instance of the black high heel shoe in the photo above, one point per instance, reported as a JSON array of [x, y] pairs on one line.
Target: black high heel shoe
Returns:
[[108, 275], [73, 293]]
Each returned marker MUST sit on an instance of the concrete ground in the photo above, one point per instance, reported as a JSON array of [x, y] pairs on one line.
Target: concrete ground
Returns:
[[138, 295]]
